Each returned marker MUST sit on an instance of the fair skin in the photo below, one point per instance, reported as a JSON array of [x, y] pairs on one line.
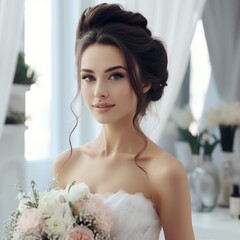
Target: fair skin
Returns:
[[107, 92]]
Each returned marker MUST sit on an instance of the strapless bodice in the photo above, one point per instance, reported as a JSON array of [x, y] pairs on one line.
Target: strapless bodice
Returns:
[[134, 216]]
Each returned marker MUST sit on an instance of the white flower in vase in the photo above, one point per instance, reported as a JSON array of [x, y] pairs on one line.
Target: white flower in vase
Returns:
[[227, 117], [182, 117]]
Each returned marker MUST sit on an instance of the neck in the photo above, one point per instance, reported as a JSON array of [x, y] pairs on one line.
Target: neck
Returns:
[[115, 139]]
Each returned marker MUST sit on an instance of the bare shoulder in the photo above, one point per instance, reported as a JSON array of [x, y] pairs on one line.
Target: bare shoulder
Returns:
[[165, 173], [64, 163], [170, 194], [164, 164], [62, 159]]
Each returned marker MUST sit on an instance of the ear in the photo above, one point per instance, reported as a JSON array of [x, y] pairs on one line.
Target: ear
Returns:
[[146, 87]]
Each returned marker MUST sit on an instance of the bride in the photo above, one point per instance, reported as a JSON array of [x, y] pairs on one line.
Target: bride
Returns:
[[121, 70]]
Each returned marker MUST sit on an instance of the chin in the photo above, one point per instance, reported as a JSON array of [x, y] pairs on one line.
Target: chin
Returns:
[[103, 121]]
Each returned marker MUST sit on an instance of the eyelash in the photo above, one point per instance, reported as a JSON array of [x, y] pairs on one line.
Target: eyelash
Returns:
[[115, 76], [119, 76], [86, 78]]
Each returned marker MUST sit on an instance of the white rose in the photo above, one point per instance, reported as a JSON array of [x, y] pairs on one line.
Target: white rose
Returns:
[[78, 192], [68, 216], [49, 202], [56, 225]]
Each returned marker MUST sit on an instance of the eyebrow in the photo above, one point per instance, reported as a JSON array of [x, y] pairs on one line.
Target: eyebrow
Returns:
[[105, 71]]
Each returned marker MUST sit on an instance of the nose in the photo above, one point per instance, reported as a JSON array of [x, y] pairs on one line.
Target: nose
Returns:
[[101, 89]]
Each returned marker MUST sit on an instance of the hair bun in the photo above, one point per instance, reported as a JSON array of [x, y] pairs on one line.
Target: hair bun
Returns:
[[104, 14]]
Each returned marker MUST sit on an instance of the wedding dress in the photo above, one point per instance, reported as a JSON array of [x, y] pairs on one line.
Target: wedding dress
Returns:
[[135, 217]]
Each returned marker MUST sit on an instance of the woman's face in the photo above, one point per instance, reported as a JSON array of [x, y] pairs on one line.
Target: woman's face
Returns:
[[105, 84]]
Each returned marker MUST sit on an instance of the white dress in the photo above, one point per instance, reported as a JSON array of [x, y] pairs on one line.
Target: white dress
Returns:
[[135, 217]]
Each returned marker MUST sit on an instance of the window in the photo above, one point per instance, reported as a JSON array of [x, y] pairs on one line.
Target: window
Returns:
[[200, 72], [37, 47]]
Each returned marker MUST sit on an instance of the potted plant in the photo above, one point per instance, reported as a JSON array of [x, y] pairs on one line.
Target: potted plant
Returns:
[[12, 138], [24, 74], [24, 77], [15, 118]]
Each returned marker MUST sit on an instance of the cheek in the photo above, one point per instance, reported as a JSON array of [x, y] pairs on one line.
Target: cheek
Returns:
[[128, 98], [86, 94], [124, 90], [128, 94]]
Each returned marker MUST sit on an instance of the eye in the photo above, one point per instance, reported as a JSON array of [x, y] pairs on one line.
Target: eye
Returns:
[[116, 76], [88, 78]]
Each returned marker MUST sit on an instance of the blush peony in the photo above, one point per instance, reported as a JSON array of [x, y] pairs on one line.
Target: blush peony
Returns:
[[79, 233], [31, 222]]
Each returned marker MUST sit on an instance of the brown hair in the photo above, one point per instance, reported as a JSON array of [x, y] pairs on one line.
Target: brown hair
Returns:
[[145, 56]]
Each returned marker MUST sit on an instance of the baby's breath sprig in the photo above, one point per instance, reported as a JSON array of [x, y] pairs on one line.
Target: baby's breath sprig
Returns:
[[35, 194], [88, 218], [32, 200], [52, 184], [10, 225]]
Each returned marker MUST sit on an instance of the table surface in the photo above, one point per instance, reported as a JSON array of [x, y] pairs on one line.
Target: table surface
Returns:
[[215, 225], [219, 218]]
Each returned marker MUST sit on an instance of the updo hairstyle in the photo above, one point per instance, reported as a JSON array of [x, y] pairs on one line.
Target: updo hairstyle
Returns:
[[145, 56]]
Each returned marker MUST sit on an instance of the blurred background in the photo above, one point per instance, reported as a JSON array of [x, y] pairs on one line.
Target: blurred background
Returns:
[[37, 39]]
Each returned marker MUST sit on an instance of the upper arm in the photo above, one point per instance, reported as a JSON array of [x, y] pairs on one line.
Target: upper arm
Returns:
[[172, 201]]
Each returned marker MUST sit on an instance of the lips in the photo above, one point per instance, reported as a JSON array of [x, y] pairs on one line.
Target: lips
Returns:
[[103, 105]]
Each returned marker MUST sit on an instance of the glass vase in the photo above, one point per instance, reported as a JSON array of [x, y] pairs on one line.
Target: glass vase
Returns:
[[203, 184], [226, 178]]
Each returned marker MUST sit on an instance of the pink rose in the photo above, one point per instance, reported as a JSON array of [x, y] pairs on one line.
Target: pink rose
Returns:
[[81, 205], [103, 214], [31, 222], [79, 233]]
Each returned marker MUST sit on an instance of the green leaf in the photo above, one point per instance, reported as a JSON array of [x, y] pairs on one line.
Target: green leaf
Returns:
[[73, 209], [73, 183]]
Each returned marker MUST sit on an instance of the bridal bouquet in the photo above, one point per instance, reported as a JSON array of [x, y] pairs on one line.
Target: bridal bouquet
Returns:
[[59, 214]]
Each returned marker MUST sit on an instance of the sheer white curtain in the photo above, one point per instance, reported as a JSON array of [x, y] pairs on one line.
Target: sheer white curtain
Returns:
[[221, 21], [65, 16], [174, 22], [11, 20]]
